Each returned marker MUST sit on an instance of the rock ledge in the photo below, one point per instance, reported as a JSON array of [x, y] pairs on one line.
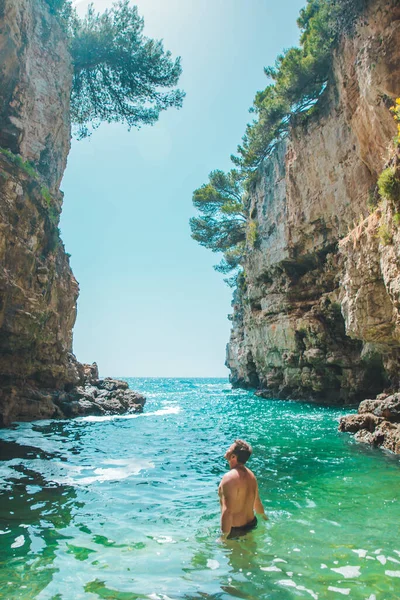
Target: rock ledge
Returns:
[[93, 396]]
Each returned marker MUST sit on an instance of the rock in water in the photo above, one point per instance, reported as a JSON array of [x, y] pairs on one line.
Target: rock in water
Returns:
[[377, 422]]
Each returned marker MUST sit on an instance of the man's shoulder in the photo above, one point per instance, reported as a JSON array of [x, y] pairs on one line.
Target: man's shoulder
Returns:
[[229, 477]]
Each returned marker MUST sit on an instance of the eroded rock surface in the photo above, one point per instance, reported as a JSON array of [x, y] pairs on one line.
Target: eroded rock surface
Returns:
[[316, 313], [377, 422], [93, 396], [36, 76]]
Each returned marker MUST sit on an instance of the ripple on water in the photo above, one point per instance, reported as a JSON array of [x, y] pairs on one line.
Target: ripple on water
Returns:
[[126, 506]]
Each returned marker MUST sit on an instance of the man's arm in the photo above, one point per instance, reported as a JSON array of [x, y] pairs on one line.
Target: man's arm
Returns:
[[258, 506], [226, 506]]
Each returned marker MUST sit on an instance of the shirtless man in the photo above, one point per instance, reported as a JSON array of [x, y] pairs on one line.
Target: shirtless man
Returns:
[[238, 493]]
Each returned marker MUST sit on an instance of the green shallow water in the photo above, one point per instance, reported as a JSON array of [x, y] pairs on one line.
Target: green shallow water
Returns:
[[127, 508]]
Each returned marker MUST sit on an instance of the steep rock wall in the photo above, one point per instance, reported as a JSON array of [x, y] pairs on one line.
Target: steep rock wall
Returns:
[[294, 328], [38, 291], [36, 75], [39, 375]]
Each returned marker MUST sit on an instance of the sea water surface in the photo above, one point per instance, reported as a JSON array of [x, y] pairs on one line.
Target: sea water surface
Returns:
[[126, 507]]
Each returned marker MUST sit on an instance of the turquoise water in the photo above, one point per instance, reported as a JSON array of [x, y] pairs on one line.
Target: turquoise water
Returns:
[[126, 507]]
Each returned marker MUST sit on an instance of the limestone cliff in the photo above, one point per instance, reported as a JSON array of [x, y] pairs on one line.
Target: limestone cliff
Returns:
[[38, 292], [316, 313]]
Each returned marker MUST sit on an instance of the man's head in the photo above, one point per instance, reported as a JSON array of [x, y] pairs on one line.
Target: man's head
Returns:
[[238, 453]]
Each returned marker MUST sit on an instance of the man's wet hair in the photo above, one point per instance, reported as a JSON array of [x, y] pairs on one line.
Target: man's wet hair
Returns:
[[242, 450]]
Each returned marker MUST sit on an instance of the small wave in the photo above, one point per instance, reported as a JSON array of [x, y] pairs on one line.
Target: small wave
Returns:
[[19, 541], [165, 539], [63, 473], [348, 572], [168, 410], [392, 573], [120, 469], [360, 552], [290, 583], [343, 591]]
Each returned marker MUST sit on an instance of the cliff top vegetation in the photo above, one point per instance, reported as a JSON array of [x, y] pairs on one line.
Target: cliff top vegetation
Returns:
[[298, 79], [119, 74]]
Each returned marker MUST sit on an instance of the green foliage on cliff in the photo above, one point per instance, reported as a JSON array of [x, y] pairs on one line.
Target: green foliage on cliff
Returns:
[[389, 185], [53, 212], [389, 179], [298, 80], [119, 74], [56, 6], [251, 233], [299, 77], [222, 224], [384, 235], [25, 165], [64, 11]]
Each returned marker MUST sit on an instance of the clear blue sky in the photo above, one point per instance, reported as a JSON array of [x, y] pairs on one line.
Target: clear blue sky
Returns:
[[150, 302]]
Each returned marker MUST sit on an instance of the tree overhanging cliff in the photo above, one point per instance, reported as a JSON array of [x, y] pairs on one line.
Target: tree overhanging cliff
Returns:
[[316, 302], [119, 75], [299, 78], [50, 65]]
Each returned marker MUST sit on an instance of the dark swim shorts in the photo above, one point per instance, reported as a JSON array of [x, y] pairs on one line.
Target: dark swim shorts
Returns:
[[238, 531]]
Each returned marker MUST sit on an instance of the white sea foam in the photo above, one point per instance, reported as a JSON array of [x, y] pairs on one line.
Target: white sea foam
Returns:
[[287, 583], [271, 568], [348, 572], [382, 559], [343, 591], [392, 573], [301, 588], [165, 539], [332, 522], [19, 541], [361, 553], [279, 560], [63, 473], [212, 564], [393, 560], [122, 470], [168, 410]]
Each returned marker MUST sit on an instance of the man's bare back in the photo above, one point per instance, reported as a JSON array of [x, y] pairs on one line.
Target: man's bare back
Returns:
[[238, 492]]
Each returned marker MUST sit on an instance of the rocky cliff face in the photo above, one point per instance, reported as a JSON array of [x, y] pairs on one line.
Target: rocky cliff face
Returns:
[[38, 292], [316, 312], [36, 76]]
